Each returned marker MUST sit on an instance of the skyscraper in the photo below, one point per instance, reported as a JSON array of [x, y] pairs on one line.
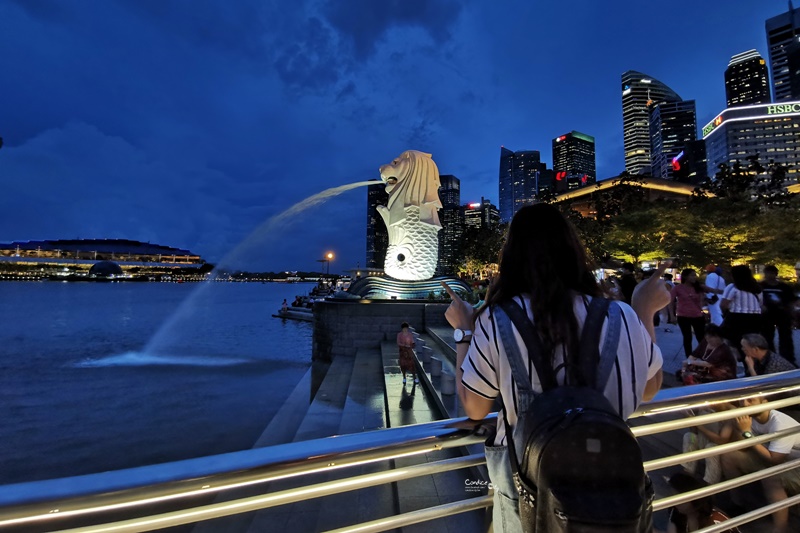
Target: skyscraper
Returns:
[[452, 218], [639, 93], [377, 234], [573, 161], [746, 80], [766, 130], [481, 215], [784, 54], [519, 174], [673, 125]]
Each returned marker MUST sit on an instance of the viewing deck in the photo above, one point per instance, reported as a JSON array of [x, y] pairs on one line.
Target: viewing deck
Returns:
[[406, 450]]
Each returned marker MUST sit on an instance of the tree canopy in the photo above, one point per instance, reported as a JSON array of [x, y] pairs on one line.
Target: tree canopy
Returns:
[[744, 215]]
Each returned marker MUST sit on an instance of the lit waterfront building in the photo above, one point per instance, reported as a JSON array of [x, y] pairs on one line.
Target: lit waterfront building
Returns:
[[746, 80], [519, 176], [574, 163], [783, 40], [481, 214], [377, 233], [771, 131], [639, 93], [451, 217], [673, 125], [77, 255]]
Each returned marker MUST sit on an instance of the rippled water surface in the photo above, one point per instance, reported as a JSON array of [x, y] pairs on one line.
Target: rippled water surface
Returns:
[[79, 395]]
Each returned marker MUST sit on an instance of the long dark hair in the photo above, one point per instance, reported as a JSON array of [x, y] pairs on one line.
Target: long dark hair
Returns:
[[684, 279], [743, 279], [544, 257]]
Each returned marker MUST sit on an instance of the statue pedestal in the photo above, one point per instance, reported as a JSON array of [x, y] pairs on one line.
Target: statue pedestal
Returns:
[[385, 288]]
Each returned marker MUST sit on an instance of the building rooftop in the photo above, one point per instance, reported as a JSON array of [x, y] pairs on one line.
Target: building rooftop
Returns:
[[116, 246]]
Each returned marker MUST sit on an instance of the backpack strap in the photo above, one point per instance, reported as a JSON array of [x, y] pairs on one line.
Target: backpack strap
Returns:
[[608, 353], [518, 372], [544, 369], [589, 350]]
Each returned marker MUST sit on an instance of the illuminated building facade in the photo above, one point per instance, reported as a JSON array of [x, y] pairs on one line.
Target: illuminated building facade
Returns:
[[519, 176], [122, 251], [77, 256], [481, 215], [783, 39], [673, 125], [746, 80], [640, 92], [377, 234], [574, 162], [691, 163], [451, 217], [771, 131]]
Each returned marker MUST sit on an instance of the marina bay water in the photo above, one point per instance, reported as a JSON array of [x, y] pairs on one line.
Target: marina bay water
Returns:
[[79, 395]]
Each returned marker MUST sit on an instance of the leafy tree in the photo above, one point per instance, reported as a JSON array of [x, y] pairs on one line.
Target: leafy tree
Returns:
[[481, 249]]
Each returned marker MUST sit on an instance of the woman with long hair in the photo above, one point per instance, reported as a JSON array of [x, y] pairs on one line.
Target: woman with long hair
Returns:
[[545, 270], [742, 303], [687, 298]]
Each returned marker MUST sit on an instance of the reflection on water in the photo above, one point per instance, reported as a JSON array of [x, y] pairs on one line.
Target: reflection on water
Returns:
[[149, 359], [78, 394]]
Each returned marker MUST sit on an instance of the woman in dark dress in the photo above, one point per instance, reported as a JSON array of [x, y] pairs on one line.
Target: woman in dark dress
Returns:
[[405, 344]]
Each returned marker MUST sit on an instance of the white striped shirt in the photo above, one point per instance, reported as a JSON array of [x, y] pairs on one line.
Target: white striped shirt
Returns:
[[488, 373], [742, 301]]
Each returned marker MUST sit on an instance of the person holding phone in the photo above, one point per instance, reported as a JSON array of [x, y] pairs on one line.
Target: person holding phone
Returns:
[[548, 274]]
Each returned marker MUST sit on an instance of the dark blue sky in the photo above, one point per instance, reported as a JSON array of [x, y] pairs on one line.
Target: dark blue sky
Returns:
[[189, 123]]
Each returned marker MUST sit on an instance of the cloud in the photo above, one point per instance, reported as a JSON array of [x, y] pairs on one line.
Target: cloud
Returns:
[[312, 63], [77, 181], [365, 22]]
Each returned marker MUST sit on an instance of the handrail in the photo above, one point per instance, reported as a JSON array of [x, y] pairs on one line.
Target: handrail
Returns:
[[679, 398], [46, 502], [131, 487]]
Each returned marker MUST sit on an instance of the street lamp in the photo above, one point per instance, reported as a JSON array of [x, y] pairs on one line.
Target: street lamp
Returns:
[[327, 260]]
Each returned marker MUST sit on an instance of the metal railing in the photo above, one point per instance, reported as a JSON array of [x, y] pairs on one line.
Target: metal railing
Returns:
[[184, 492]]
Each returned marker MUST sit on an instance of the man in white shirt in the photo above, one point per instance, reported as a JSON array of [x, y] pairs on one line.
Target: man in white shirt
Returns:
[[761, 456], [714, 280]]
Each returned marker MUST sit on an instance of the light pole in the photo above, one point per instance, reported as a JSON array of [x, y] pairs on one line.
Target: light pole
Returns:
[[328, 258]]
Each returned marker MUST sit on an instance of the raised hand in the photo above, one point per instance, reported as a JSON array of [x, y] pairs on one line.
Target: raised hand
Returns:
[[651, 295], [460, 314]]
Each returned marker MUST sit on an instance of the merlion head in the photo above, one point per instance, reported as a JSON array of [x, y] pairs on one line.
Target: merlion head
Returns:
[[413, 179]]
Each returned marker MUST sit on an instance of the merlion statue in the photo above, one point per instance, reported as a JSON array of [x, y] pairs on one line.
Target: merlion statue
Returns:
[[412, 182]]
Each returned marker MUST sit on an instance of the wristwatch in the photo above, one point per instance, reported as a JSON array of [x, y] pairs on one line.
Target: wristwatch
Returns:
[[747, 435], [462, 335]]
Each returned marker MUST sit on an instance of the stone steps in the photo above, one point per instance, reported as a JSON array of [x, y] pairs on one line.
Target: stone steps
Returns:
[[412, 404], [323, 418], [365, 410]]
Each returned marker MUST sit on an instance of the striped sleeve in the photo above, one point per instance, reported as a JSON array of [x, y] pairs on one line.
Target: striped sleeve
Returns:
[[726, 294], [480, 365], [638, 360]]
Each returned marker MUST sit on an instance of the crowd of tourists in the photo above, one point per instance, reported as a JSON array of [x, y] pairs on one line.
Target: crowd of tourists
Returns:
[[732, 318], [550, 341], [729, 315]]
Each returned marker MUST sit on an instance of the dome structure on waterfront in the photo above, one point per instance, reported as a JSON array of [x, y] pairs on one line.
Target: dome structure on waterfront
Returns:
[[105, 269]]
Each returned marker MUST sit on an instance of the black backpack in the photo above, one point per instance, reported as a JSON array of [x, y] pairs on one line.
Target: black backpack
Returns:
[[580, 467]]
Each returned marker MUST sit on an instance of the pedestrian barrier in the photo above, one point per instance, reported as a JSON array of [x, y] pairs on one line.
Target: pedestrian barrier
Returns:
[[160, 496]]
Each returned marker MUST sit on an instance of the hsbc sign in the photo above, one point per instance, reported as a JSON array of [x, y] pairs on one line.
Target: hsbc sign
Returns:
[[782, 109]]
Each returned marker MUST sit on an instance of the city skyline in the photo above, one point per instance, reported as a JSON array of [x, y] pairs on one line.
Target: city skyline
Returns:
[[190, 125]]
